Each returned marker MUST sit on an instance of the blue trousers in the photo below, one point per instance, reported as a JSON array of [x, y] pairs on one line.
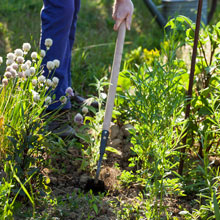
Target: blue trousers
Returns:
[[58, 22]]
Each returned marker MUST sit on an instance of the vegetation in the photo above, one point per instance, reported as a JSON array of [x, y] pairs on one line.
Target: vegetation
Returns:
[[42, 175]]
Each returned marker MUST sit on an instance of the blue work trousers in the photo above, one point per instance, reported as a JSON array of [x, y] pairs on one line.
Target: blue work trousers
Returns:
[[58, 22]]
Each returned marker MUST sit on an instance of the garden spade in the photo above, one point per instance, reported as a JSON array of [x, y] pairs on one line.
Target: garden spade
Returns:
[[95, 184]]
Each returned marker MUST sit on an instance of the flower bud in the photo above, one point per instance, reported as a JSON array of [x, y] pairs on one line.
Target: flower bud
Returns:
[[50, 65], [13, 73], [19, 53], [55, 80], [28, 63], [14, 66], [63, 99], [34, 55], [24, 67], [49, 83], [21, 74], [9, 62], [26, 47], [42, 53], [78, 119], [85, 110], [36, 96], [34, 82], [56, 63], [27, 73], [20, 59], [41, 79], [48, 43], [48, 100], [11, 56], [69, 92], [5, 82], [33, 70], [8, 75]]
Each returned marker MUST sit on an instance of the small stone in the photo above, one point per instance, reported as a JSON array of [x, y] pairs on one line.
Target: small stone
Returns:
[[126, 129], [114, 131], [115, 142]]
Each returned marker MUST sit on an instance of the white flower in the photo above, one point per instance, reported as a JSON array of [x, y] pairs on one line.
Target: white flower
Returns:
[[11, 56], [56, 63], [34, 82], [26, 47], [28, 63], [41, 79], [19, 53], [34, 55], [33, 70], [8, 68], [20, 59], [24, 67], [5, 82], [1, 60], [55, 80], [49, 82], [103, 95], [48, 100], [50, 65], [9, 62], [42, 53], [63, 99], [14, 66], [69, 92], [78, 119], [13, 73], [48, 43], [21, 74], [36, 96], [85, 110], [8, 75], [27, 73]]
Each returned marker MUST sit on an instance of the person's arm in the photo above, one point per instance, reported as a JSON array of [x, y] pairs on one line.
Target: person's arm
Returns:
[[122, 10]]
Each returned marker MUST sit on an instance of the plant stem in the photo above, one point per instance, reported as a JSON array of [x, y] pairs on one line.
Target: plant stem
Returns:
[[191, 78]]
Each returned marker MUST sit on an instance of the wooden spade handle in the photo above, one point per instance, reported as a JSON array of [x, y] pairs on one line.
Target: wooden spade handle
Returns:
[[114, 76]]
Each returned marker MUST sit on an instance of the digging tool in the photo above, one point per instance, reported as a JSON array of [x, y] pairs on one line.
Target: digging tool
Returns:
[[95, 184]]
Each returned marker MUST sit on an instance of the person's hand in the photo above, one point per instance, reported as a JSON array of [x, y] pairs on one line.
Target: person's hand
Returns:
[[122, 10]]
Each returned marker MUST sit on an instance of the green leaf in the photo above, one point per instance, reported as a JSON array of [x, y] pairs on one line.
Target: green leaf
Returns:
[[216, 207], [84, 137], [95, 207], [113, 150]]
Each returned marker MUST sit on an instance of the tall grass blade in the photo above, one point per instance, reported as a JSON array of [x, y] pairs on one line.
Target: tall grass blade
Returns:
[[216, 207]]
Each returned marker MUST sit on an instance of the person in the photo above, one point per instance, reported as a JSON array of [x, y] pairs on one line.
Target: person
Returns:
[[58, 22]]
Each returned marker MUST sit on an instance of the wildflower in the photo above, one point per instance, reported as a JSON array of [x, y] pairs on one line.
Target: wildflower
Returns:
[[21, 74], [11, 56], [85, 110], [9, 62], [56, 63], [55, 81], [50, 65], [42, 53], [32, 70], [48, 100], [41, 79], [34, 82], [27, 73], [19, 53], [103, 95], [5, 82], [24, 67], [8, 68], [63, 99], [26, 47], [14, 66], [34, 55], [78, 119], [49, 82], [69, 92], [48, 43], [20, 59], [1, 60], [13, 73], [36, 96], [28, 63], [8, 75]]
